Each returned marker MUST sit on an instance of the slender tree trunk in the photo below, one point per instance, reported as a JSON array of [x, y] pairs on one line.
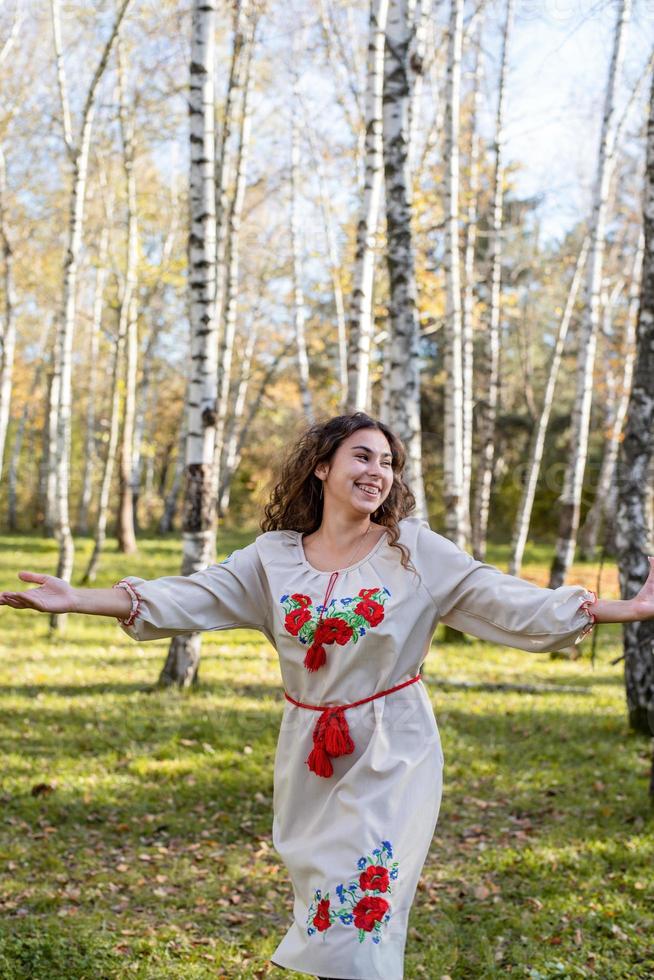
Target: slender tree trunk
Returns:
[[488, 406], [230, 455], [112, 446], [199, 524], [361, 301], [574, 475], [223, 156], [28, 408], [523, 517], [244, 428], [50, 445], [468, 301], [334, 265], [634, 468], [455, 519], [171, 500], [233, 251], [404, 352], [125, 521], [422, 16], [79, 155], [8, 328], [90, 449], [590, 531], [296, 274]]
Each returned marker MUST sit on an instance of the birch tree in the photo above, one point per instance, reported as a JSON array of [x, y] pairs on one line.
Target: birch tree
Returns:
[[90, 451], [182, 663], [78, 154], [403, 348], [104, 497], [523, 517], [125, 519], [455, 521], [590, 531], [8, 322], [296, 265], [233, 250], [468, 297], [360, 324], [633, 534], [488, 405], [223, 154], [570, 501]]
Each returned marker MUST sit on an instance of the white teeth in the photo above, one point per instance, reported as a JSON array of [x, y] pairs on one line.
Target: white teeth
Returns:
[[372, 492]]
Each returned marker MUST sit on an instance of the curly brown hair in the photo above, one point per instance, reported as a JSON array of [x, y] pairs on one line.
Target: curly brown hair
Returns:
[[296, 501]]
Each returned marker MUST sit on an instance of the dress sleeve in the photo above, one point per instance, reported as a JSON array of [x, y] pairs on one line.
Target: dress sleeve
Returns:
[[229, 595], [479, 599]]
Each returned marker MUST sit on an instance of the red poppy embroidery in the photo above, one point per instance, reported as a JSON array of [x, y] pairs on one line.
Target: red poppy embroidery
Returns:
[[321, 919], [296, 619], [351, 621], [368, 911], [374, 879]]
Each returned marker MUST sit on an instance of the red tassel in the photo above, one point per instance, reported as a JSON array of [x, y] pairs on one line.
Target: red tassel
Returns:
[[316, 657], [337, 735], [319, 762]]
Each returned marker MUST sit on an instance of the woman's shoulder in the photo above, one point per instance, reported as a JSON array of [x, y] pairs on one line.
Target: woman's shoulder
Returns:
[[277, 546]]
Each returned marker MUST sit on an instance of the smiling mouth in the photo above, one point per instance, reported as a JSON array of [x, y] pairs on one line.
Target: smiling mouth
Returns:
[[369, 491]]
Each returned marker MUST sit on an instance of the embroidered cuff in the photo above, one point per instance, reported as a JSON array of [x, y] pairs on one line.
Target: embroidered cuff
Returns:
[[136, 601], [592, 617]]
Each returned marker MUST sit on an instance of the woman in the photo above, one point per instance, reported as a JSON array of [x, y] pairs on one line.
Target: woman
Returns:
[[349, 589]]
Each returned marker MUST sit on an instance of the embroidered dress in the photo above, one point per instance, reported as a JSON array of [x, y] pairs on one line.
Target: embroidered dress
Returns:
[[354, 840]]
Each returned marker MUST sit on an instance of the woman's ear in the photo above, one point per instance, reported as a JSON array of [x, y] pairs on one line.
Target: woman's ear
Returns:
[[321, 471]]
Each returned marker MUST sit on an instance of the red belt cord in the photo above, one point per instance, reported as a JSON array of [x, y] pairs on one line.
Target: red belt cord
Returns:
[[331, 736]]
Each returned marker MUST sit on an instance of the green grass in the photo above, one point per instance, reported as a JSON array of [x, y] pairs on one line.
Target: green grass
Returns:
[[147, 852]]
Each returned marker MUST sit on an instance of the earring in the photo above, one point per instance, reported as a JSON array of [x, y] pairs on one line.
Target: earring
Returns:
[[321, 489]]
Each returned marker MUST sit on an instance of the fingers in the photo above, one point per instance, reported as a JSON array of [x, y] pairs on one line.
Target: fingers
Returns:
[[14, 599], [32, 577]]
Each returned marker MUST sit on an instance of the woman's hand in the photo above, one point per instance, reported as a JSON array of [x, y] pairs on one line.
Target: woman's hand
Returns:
[[643, 603], [53, 595]]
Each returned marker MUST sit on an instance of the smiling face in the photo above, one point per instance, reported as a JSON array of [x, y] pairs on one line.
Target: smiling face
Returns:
[[359, 475]]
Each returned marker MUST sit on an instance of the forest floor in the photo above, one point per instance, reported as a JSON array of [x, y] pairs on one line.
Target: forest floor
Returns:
[[135, 823]]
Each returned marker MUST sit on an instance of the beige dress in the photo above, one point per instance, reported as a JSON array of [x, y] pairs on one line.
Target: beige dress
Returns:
[[354, 843]]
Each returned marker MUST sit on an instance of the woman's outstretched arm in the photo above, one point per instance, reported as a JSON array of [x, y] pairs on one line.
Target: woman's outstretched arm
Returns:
[[53, 595]]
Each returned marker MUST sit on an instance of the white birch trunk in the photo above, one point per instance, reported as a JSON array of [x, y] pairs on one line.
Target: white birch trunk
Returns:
[[125, 518], [79, 156], [296, 273], [233, 250], [171, 500], [455, 520], [104, 497], [223, 152], [574, 476], [231, 456], [422, 16], [404, 351], [589, 533], [489, 405], [90, 447], [523, 517], [334, 271], [634, 472], [28, 409], [8, 326], [182, 663], [361, 301], [468, 300]]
